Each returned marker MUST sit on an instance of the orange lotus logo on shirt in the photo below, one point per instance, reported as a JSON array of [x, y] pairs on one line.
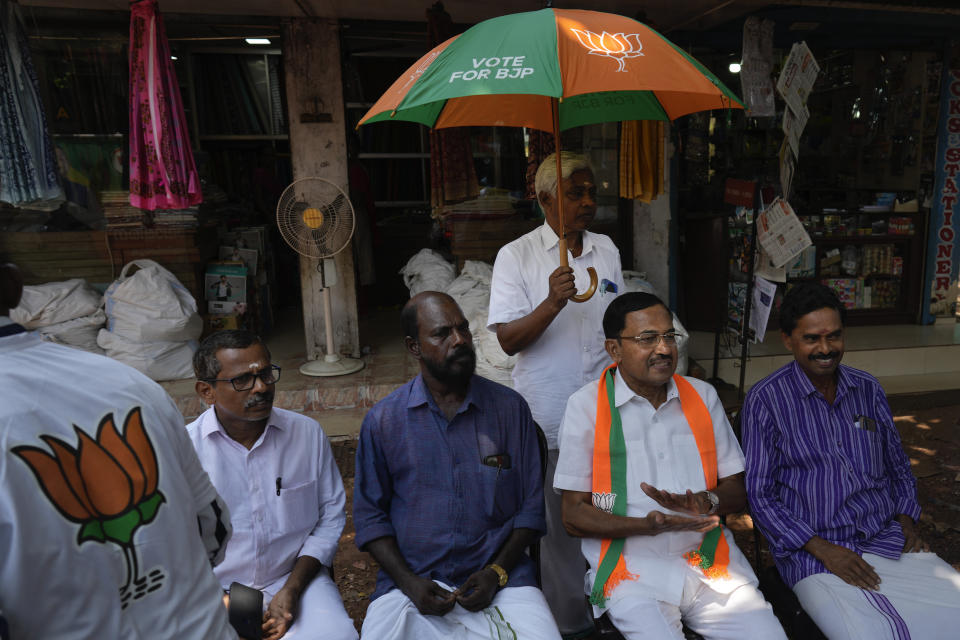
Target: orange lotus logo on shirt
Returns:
[[108, 485], [618, 46]]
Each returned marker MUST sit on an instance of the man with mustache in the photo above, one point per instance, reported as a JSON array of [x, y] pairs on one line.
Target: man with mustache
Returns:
[[648, 464], [276, 471], [448, 494], [831, 489], [559, 344]]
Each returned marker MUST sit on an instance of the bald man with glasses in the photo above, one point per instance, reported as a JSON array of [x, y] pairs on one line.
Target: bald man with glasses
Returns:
[[275, 470]]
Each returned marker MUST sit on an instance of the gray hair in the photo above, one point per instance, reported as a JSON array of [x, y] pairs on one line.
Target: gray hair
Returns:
[[570, 162], [205, 363]]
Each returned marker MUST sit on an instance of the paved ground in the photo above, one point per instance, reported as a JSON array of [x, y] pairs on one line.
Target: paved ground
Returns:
[[931, 438]]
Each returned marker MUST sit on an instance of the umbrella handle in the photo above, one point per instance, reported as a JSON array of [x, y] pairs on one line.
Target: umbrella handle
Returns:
[[586, 295]]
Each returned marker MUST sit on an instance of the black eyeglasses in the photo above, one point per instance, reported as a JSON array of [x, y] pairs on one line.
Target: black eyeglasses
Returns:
[[246, 382], [651, 339]]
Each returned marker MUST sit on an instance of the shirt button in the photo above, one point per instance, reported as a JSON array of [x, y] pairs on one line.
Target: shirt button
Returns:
[[259, 517], [586, 349], [660, 455]]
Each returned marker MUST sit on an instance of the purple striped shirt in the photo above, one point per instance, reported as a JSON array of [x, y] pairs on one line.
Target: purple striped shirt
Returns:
[[811, 470]]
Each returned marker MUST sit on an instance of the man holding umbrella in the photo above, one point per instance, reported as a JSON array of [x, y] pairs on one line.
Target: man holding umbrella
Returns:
[[560, 345]]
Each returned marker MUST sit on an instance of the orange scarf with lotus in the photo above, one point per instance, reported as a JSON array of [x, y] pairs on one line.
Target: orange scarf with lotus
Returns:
[[610, 484]]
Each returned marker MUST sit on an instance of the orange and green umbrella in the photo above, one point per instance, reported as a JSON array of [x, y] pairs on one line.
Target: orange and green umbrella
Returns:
[[551, 70]]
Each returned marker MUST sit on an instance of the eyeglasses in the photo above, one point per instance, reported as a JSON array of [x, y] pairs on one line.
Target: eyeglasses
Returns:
[[648, 340], [247, 381]]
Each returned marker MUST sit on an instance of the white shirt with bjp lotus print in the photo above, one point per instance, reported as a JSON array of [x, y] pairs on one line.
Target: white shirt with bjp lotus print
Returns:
[[61, 573]]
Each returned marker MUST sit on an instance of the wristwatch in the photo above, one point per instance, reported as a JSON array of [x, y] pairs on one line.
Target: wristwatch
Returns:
[[714, 502], [501, 574]]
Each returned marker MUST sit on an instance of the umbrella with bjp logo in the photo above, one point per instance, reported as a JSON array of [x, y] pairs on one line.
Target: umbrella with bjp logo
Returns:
[[552, 70]]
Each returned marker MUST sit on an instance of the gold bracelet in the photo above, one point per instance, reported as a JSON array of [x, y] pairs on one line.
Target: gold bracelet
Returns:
[[501, 574]]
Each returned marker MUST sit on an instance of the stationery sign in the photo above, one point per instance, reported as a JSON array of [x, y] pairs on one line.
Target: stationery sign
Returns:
[[942, 262]]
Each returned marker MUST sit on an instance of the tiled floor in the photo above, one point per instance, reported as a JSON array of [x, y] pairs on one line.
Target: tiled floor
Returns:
[[906, 358]]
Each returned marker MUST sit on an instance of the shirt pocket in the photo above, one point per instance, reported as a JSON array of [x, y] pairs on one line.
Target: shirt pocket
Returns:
[[298, 507], [867, 451], [682, 463], [500, 494]]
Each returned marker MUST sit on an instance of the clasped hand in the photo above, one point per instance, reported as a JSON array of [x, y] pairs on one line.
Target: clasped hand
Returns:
[[475, 594]]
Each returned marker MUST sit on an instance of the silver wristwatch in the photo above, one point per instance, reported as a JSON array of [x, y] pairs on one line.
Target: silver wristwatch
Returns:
[[714, 502]]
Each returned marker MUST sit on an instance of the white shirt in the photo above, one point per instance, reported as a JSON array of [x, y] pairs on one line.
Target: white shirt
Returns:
[[661, 451], [569, 353], [51, 585], [271, 531]]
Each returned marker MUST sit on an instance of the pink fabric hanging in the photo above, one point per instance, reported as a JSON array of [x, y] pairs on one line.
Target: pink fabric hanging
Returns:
[[162, 172]]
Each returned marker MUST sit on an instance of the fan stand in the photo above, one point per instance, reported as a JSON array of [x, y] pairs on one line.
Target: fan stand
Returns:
[[332, 364]]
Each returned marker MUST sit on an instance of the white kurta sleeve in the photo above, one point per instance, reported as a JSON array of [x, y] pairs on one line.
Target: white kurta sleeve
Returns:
[[730, 458], [509, 298], [575, 464], [322, 541]]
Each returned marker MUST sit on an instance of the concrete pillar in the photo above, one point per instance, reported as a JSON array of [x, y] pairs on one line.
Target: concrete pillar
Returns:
[[311, 60]]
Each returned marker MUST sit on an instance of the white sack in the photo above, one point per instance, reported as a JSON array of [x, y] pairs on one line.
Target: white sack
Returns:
[[151, 306], [427, 271], [156, 360], [79, 332], [47, 304]]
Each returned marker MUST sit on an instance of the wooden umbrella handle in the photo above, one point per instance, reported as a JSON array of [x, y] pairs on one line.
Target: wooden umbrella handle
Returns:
[[562, 245], [586, 295], [565, 262]]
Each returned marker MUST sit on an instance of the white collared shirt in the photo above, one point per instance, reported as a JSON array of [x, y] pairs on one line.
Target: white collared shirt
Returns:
[[570, 352], [271, 531], [662, 452]]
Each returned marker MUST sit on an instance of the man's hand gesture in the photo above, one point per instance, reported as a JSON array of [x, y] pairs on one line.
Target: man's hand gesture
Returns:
[[689, 502], [430, 598], [844, 563], [477, 592]]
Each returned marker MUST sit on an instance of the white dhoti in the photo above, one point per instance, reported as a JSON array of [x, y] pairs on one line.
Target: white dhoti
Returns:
[[919, 598], [516, 613], [741, 613], [320, 614]]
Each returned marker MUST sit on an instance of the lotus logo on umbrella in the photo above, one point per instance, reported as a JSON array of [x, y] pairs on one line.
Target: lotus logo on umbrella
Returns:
[[108, 485], [619, 46]]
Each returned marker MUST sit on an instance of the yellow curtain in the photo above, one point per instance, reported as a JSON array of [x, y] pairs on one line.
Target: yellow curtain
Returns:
[[641, 159]]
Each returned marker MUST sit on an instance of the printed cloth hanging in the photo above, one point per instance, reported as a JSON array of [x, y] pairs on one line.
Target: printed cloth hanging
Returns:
[[162, 171], [28, 166]]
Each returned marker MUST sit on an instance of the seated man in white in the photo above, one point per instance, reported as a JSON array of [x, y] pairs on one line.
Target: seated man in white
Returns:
[[276, 472], [648, 463]]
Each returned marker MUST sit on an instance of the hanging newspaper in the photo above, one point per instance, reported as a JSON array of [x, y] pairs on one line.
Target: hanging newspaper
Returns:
[[763, 293], [781, 233], [755, 83], [797, 77]]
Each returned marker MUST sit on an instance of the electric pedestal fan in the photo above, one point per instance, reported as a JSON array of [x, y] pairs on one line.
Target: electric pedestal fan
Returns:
[[316, 218]]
